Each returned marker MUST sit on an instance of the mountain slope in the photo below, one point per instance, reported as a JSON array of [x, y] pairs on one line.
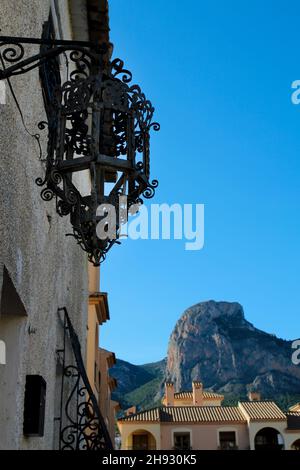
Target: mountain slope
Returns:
[[138, 385]]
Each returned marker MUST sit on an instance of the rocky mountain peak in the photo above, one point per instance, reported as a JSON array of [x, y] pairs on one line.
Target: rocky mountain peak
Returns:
[[212, 309], [213, 341]]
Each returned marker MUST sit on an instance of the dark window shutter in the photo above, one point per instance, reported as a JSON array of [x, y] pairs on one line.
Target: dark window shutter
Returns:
[[34, 406]]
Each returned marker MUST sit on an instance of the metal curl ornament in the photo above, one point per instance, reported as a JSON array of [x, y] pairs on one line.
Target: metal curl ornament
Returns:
[[13, 53], [117, 68], [150, 190], [97, 121], [47, 194]]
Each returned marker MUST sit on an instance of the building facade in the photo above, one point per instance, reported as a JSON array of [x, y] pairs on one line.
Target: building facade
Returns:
[[196, 420], [99, 361], [107, 384], [44, 275]]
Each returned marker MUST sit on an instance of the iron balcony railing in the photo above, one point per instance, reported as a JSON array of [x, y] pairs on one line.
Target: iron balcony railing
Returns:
[[81, 425]]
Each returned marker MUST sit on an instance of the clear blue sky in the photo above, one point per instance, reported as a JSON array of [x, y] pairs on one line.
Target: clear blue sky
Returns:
[[219, 74]]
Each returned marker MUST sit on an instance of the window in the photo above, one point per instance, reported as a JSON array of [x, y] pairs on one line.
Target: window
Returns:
[[182, 440], [227, 440], [96, 377], [34, 406]]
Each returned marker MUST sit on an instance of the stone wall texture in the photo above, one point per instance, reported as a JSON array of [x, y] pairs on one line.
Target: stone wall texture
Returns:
[[48, 269]]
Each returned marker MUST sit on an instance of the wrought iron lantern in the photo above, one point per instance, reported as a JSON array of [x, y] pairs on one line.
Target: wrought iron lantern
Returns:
[[97, 121]]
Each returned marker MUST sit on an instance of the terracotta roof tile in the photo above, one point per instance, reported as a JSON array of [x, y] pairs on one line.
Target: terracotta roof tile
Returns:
[[262, 411], [189, 414], [295, 407], [148, 415]]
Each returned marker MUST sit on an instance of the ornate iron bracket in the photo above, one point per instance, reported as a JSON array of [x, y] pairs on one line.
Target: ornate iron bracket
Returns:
[[81, 425], [96, 121], [14, 53]]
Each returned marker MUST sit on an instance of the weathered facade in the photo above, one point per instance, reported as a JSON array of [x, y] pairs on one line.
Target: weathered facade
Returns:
[[41, 270]]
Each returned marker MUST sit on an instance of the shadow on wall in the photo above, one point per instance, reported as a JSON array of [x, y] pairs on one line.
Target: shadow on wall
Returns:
[[12, 328]]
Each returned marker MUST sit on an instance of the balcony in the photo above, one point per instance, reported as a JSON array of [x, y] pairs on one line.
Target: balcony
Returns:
[[228, 446]]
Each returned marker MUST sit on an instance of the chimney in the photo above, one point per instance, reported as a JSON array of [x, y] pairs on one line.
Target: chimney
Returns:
[[169, 388], [254, 396], [130, 411], [197, 393]]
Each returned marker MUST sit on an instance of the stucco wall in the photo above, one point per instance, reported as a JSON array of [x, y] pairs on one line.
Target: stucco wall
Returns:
[[204, 436], [290, 438], [92, 346], [48, 269]]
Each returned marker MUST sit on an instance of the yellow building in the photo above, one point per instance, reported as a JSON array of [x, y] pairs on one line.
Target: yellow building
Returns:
[[197, 420], [107, 384], [99, 361]]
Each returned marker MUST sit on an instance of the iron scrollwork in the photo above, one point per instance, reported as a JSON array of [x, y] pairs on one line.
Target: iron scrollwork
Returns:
[[81, 425], [96, 121]]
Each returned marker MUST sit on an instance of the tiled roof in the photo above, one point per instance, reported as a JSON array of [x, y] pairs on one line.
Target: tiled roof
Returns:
[[206, 414], [263, 411], [206, 395], [148, 415], [293, 420], [295, 407], [189, 414]]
